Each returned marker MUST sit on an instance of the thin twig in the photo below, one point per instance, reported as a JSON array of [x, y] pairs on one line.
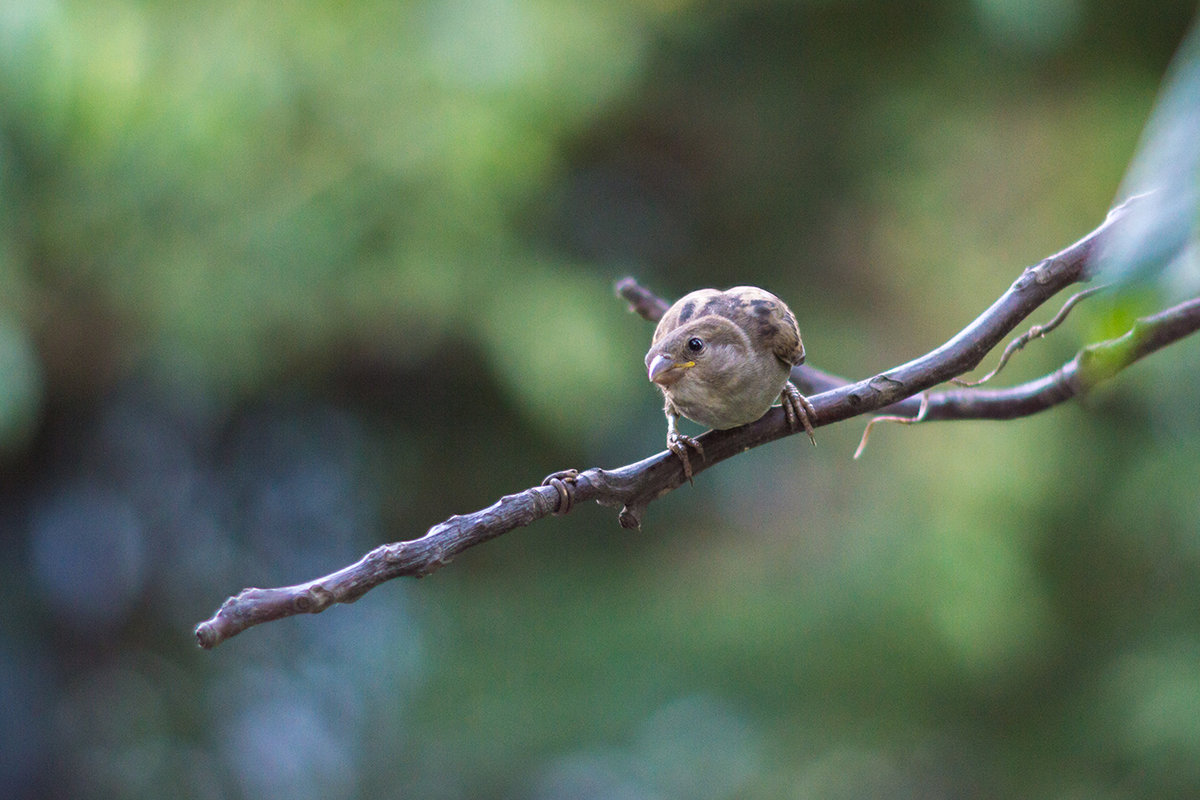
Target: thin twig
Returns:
[[899, 420], [1036, 332]]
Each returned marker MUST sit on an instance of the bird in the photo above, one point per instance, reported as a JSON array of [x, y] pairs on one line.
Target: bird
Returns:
[[722, 359]]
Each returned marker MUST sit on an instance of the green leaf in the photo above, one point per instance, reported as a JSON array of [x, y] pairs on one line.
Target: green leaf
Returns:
[[1156, 244]]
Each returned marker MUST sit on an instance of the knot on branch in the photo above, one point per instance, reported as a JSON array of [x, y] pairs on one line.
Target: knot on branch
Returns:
[[630, 516], [1040, 273], [387, 554], [314, 600]]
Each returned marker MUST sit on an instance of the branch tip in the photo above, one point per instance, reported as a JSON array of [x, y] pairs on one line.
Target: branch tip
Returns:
[[642, 301], [206, 637]]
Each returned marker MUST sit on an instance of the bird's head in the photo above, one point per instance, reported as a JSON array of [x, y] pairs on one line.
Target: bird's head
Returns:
[[705, 346]]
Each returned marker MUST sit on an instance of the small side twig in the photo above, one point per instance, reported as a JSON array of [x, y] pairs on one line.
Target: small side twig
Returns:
[[922, 411], [1036, 332]]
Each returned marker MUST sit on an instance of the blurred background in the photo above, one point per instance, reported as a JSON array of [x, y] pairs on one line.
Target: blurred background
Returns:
[[280, 282]]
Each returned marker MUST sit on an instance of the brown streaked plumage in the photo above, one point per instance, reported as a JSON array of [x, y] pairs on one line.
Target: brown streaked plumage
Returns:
[[722, 359]]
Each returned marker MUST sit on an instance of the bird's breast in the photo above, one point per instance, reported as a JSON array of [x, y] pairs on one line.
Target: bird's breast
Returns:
[[730, 397]]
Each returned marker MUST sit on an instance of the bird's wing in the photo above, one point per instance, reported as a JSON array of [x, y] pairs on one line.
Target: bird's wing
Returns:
[[769, 319]]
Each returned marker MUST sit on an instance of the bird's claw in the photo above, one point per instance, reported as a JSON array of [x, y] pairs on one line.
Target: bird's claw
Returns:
[[564, 481], [678, 444], [798, 409]]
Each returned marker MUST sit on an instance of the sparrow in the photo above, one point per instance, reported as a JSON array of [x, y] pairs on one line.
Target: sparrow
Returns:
[[722, 359]]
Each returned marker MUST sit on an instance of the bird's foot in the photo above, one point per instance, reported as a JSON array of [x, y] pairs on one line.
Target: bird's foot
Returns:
[[678, 444], [564, 481], [798, 409]]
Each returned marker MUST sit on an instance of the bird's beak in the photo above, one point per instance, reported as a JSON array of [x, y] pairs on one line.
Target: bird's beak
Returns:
[[662, 364]]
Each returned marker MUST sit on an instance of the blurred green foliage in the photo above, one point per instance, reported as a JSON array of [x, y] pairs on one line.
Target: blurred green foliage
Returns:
[[280, 282]]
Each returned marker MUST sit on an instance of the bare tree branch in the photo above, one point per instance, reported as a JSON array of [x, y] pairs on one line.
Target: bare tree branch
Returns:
[[634, 486], [1091, 365]]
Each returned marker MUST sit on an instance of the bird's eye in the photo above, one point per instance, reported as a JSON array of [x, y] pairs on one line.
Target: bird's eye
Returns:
[[695, 345]]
